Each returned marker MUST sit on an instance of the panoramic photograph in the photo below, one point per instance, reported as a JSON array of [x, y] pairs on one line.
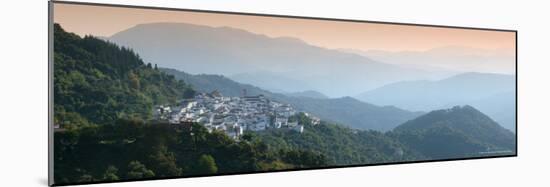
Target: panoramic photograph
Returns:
[[148, 94]]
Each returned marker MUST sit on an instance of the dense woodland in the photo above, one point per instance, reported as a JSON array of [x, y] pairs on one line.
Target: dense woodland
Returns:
[[104, 95], [98, 82]]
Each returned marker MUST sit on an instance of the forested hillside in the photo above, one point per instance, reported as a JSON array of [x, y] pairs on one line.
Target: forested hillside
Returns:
[[461, 131], [104, 96], [96, 82], [340, 145]]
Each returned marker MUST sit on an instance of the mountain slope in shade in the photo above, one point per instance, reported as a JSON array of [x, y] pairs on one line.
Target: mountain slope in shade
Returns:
[[208, 83], [308, 93], [501, 107], [346, 111], [228, 51], [354, 113], [273, 82], [493, 94], [461, 131]]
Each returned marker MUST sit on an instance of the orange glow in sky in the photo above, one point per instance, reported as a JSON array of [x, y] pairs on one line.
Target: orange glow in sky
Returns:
[[106, 21]]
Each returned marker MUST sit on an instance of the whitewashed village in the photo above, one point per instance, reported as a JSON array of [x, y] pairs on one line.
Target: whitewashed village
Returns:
[[232, 115]]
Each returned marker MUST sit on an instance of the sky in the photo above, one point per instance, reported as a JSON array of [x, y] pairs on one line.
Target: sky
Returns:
[[106, 21]]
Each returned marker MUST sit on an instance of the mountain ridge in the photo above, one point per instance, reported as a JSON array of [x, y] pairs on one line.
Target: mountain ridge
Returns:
[[465, 130]]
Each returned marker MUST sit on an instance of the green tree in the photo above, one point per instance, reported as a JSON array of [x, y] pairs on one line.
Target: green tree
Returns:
[[206, 165], [137, 170], [164, 163], [111, 174], [248, 137]]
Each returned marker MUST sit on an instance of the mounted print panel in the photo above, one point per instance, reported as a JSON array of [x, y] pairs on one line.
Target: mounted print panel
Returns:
[[140, 93]]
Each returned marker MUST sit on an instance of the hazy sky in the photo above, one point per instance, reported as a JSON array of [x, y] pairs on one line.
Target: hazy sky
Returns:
[[106, 21]]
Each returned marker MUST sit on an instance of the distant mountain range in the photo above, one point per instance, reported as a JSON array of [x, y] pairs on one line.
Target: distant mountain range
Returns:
[[493, 94], [346, 111], [290, 65], [501, 107], [447, 58], [457, 132]]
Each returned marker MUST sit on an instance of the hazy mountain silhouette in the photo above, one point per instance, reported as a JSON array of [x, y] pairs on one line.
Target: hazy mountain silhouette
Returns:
[[493, 94], [448, 58], [229, 51], [501, 107]]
